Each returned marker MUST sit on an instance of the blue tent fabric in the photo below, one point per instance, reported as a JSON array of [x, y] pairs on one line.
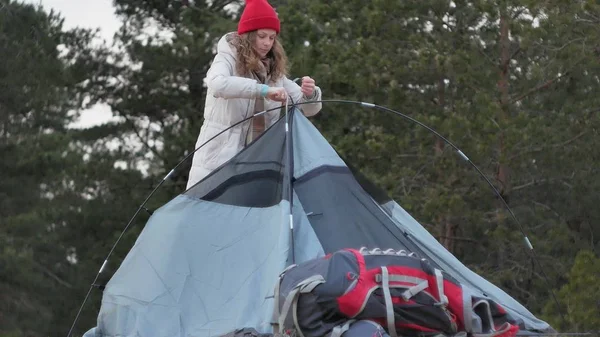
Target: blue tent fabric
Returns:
[[194, 271], [207, 261]]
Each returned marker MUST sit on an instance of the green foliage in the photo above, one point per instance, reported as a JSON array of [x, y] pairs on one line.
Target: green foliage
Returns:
[[56, 194], [34, 86], [580, 296]]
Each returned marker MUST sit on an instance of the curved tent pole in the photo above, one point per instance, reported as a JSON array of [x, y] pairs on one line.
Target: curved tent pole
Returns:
[[294, 105], [463, 156]]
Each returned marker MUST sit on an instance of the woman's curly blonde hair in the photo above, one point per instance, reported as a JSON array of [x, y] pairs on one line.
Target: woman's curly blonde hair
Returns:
[[248, 61]]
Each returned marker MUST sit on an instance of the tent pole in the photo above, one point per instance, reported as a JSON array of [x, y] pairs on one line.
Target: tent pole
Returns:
[[289, 165]]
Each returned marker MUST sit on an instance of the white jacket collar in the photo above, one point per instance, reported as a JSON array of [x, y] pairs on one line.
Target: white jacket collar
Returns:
[[225, 47]]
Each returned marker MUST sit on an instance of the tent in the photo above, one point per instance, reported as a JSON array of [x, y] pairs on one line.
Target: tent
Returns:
[[207, 261]]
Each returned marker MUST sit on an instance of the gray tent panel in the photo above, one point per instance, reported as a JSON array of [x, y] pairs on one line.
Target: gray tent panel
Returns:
[[344, 216], [252, 178], [311, 150]]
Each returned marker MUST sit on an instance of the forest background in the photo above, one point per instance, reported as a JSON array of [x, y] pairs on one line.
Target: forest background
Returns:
[[514, 84]]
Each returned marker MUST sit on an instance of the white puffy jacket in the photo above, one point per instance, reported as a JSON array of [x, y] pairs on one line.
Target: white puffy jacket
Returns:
[[230, 98]]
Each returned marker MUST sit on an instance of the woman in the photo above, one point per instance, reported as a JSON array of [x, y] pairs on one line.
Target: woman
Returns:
[[248, 75]]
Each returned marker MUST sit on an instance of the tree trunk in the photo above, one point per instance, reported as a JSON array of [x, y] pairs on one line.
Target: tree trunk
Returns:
[[449, 235], [448, 230]]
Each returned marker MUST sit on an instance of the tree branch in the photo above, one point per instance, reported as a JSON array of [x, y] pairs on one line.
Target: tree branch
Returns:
[[538, 88], [516, 52], [586, 20], [139, 136], [542, 148], [548, 208], [52, 275], [531, 183], [486, 56], [544, 181], [547, 83], [459, 238], [566, 44], [221, 4], [591, 111], [525, 291]]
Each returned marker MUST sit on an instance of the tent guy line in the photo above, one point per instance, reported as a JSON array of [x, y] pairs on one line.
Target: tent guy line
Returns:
[[288, 135]]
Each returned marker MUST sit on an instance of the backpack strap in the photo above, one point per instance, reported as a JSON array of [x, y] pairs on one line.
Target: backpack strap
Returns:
[[419, 284], [276, 313], [488, 328], [274, 319], [389, 307], [340, 329], [439, 279], [291, 300]]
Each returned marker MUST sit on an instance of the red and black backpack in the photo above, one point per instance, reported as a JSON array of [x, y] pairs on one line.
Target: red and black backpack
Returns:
[[406, 295]]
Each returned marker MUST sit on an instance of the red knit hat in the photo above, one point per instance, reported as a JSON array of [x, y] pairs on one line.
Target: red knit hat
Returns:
[[258, 14]]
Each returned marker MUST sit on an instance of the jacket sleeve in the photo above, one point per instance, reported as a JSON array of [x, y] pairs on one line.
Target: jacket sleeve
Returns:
[[295, 92], [221, 80]]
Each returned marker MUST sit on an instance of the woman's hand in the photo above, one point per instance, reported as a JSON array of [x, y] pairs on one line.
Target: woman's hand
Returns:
[[277, 94], [308, 86]]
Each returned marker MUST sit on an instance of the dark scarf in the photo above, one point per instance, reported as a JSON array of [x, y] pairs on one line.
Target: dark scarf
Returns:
[[258, 122]]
